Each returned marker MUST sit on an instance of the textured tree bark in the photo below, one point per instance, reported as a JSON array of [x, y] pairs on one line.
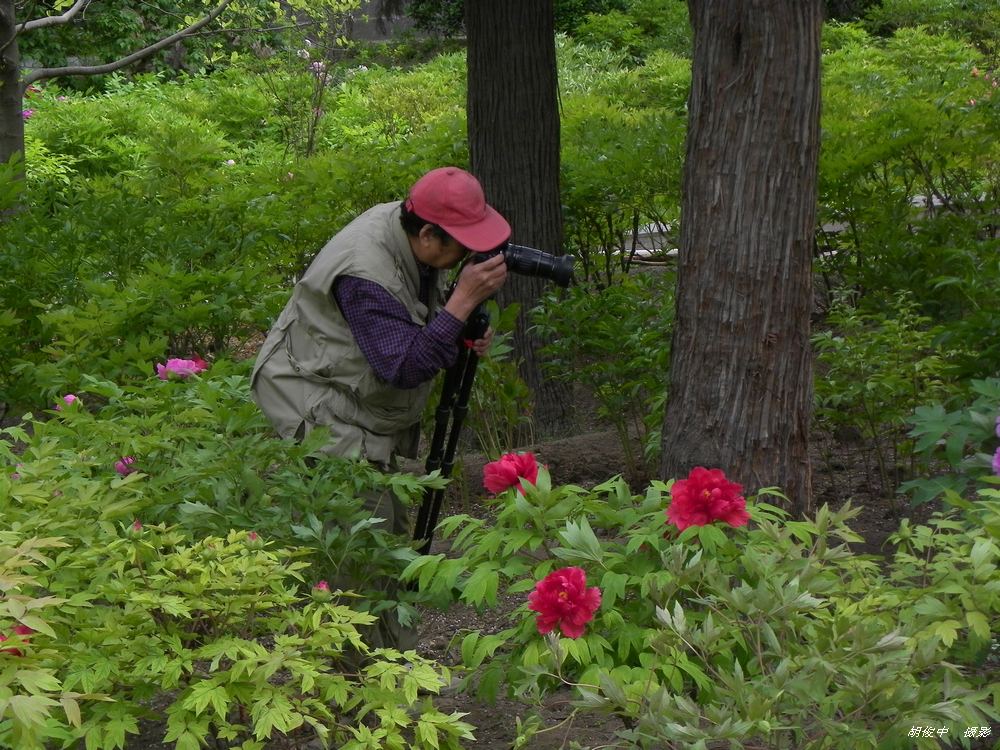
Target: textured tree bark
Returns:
[[11, 122], [741, 372], [513, 121]]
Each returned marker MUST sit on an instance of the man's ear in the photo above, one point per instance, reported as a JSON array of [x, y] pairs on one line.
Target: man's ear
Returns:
[[426, 233]]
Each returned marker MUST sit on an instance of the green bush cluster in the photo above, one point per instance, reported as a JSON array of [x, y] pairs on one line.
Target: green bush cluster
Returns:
[[774, 635], [161, 544], [614, 342], [169, 218]]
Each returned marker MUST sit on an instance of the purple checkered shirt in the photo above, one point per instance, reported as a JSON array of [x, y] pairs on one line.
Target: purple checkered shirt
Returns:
[[400, 352]]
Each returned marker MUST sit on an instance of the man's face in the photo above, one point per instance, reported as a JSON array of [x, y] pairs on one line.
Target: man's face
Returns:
[[438, 253], [452, 253]]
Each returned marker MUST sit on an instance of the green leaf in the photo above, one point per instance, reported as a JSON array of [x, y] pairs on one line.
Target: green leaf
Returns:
[[37, 681], [482, 585], [979, 624], [30, 710], [72, 709], [612, 588], [580, 539], [947, 631]]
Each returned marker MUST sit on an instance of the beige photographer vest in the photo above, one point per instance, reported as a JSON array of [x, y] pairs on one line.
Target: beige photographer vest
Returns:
[[310, 372]]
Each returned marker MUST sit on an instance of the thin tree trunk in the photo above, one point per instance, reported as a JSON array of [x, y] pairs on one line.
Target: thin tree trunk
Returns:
[[741, 373], [11, 121], [513, 120]]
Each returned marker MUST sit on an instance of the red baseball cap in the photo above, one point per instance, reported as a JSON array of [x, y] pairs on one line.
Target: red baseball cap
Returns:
[[454, 200]]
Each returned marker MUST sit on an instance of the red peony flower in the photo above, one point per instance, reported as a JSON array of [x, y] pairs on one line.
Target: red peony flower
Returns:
[[562, 598], [509, 470], [22, 630], [704, 497]]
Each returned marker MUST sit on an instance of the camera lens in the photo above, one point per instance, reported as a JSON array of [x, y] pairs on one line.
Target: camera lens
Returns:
[[532, 262]]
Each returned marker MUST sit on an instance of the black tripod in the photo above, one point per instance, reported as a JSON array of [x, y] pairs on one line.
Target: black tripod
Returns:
[[448, 418]]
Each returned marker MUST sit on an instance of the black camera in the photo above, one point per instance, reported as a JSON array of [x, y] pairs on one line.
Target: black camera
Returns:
[[531, 262]]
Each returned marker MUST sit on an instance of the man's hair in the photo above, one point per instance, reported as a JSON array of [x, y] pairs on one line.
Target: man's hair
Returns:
[[412, 224]]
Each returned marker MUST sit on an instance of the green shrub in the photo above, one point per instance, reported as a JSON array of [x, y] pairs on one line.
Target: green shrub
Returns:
[[975, 20], [643, 27], [772, 635], [962, 442], [217, 634], [908, 188], [873, 370], [616, 343], [206, 598]]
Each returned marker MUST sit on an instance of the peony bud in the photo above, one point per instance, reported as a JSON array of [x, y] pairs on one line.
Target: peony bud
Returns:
[[321, 592]]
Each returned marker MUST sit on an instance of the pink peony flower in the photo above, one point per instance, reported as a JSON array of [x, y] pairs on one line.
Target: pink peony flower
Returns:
[[124, 465], [27, 114], [704, 497], [562, 599], [68, 400], [508, 472], [181, 368]]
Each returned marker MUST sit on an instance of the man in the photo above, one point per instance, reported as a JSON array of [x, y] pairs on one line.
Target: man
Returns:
[[367, 326]]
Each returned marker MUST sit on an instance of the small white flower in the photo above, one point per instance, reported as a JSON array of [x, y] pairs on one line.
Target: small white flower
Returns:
[[303, 53], [230, 162]]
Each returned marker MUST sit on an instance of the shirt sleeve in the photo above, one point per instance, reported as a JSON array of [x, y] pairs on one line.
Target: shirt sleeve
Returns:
[[399, 351]]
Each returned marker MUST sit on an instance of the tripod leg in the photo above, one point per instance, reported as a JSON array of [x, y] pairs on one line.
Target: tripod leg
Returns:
[[427, 518], [454, 403]]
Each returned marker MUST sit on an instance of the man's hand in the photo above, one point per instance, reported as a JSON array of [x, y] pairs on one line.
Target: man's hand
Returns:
[[477, 282], [482, 346]]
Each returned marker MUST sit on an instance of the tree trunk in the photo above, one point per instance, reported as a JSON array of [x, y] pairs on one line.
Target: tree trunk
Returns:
[[11, 121], [740, 370], [513, 121]]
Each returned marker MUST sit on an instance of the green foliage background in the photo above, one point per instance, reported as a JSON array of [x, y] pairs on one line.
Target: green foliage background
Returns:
[[168, 216]]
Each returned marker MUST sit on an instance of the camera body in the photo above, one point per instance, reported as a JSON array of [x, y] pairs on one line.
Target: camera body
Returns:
[[531, 262]]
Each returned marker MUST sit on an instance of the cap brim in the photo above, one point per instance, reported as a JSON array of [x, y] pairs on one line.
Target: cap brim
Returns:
[[484, 235]]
